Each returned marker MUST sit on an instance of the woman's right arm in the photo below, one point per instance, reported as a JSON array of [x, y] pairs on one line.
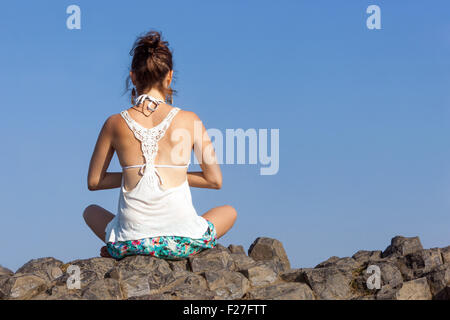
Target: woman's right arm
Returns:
[[211, 175]]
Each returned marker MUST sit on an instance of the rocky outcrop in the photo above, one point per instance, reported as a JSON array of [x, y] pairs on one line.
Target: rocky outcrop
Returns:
[[404, 271]]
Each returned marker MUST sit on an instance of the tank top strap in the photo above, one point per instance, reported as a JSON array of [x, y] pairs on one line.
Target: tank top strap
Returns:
[[139, 132], [165, 124]]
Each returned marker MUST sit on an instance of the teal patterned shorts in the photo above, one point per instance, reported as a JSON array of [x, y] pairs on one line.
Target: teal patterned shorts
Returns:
[[164, 247]]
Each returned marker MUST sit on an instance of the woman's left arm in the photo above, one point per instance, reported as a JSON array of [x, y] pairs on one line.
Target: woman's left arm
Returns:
[[98, 178]]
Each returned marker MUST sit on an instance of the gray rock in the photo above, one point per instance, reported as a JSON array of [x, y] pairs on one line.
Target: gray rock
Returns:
[[295, 275], [103, 289], [179, 265], [4, 287], [417, 289], [390, 275], [387, 293], [340, 263], [241, 261], [221, 247], [390, 280], [211, 260], [97, 265], [191, 287], [46, 268], [403, 246], [135, 285], [328, 262], [263, 249], [364, 256], [439, 280], [227, 285], [444, 294], [236, 249], [446, 254], [59, 292], [157, 296], [419, 263], [92, 269], [365, 297], [329, 283], [259, 274], [141, 275], [23, 286], [5, 271], [281, 291], [407, 272]]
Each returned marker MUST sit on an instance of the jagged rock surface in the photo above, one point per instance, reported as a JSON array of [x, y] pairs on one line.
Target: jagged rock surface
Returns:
[[407, 271]]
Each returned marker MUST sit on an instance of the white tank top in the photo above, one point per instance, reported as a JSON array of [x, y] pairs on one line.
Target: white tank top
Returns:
[[148, 210]]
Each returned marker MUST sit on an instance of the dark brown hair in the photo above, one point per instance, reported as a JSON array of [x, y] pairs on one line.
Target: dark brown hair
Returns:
[[152, 60]]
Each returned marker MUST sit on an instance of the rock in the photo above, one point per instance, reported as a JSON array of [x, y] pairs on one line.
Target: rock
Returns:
[[211, 260], [328, 262], [282, 291], [275, 264], [47, 268], [191, 287], [221, 248], [259, 274], [402, 246], [390, 275], [4, 288], [153, 297], [241, 261], [5, 271], [59, 292], [390, 281], [417, 289], [439, 281], [340, 263], [387, 293], [264, 248], [236, 249], [295, 275], [446, 254], [329, 283], [141, 275], [23, 286], [364, 256], [92, 269], [103, 289], [227, 284], [407, 271], [419, 263], [179, 265]]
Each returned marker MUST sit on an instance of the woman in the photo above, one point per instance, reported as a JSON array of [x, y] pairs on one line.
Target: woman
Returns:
[[155, 212]]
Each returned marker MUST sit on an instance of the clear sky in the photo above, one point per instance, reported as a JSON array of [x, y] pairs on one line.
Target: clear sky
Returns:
[[363, 117]]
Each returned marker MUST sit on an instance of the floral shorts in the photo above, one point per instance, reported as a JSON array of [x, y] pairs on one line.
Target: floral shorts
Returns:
[[164, 247]]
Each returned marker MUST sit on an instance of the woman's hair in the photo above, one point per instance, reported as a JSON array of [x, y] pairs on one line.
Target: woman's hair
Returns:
[[152, 60]]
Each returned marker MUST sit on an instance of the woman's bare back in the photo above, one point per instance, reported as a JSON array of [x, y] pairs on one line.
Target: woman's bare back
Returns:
[[174, 148]]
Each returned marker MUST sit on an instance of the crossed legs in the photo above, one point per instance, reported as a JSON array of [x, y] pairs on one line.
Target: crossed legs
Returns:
[[97, 218]]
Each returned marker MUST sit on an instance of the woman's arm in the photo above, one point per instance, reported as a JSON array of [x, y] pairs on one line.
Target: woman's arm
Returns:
[[211, 175], [110, 180], [197, 179], [98, 178]]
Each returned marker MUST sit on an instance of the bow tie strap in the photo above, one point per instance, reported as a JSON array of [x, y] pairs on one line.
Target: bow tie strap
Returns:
[[139, 100], [144, 168]]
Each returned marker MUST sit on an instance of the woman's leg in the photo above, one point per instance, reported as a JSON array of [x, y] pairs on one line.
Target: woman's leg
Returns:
[[97, 219], [222, 217]]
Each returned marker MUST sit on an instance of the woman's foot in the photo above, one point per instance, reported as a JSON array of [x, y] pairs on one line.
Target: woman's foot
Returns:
[[104, 252]]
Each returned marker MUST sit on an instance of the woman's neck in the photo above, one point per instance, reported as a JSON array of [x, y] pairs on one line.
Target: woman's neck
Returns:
[[155, 93]]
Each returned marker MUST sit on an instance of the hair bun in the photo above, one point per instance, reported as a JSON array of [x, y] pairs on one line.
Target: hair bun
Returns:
[[151, 41]]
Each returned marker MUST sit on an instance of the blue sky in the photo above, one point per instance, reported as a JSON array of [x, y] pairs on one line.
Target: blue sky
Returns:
[[363, 117]]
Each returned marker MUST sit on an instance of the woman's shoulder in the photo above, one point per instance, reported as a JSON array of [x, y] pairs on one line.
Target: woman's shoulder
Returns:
[[188, 116]]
